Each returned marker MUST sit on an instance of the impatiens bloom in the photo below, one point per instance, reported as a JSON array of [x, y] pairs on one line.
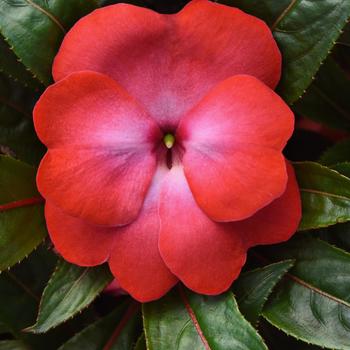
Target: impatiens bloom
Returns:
[[165, 144]]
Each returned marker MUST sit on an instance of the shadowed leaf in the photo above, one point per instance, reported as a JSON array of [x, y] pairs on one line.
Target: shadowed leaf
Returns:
[[70, 289]]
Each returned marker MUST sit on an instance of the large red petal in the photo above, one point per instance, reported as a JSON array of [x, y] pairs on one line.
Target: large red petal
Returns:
[[206, 256], [91, 110], [77, 241], [233, 141], [169, 62], [101, 149], [278, 221], [135, 258], [132, 250]]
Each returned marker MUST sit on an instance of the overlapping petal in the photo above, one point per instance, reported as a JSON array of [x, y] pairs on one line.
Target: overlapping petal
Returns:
[[132, 250], [169, 62], [135, 258], [206, 256], [98, 138], [278, 221], [77, 241], [233, 141]]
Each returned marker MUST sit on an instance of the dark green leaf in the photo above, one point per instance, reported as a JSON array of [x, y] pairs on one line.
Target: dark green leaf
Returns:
[[325, 195], [22, 223], [253, 288], [277, 340], [326, 100], [20, 290], [12, 68], [35, 29], [268, 10], [141, 343], [339, 153], [312, 303], [70, 289], [185, 320], [13, 345], [305, 31], [17, 135], [338, 235], [118, 330], [342, 168]]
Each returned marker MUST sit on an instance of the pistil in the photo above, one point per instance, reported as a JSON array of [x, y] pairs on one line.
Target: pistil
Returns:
[[169, 140]]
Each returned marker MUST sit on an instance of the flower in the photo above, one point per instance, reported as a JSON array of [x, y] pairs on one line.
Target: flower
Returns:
[[165, 144]]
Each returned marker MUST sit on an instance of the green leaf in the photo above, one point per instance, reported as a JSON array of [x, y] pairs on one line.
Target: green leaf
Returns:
[[35, 29], [253, 288], [185, 320], [20, 290], [277, 340], [22, 223], [70, 289], [338, 235], [305, 32], [141, 343], [13, 345], [267, 10], [326, 100], [312, 303], [342, 168], [12, 68], [118, 330], [325, 195], [16, 125], [338, 153]]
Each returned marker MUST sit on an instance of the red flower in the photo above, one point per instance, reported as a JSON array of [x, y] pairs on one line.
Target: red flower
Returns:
[[130, 83]]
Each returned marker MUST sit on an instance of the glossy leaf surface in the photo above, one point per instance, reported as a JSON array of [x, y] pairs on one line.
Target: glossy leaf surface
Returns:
[[254, 287], [313, 302], [185, 320], [35, 29], [325, 195]]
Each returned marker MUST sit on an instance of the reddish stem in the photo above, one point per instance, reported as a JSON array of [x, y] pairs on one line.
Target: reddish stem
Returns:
[[132, 309], [193, 317], [21, 203]]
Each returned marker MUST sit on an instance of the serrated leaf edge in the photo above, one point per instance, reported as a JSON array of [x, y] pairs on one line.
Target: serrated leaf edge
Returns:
[[12, 48], [284, 271], [33, 329]]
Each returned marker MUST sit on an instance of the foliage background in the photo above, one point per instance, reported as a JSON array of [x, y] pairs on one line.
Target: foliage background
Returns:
[[294, 295]]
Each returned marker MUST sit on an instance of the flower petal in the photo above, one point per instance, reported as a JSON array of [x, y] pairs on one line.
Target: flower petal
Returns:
[[236, 134], [135, 258], [169, 62], [206, 256], [91, 110], [103, 174], [278, 221], [132, 250], [77, 241]]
